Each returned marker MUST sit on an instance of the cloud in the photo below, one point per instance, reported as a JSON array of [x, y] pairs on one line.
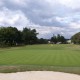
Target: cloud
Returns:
[[47, 32], [75, 25], [1, 2], [48, 17], [19, 2], [13, 18], [74, 4]]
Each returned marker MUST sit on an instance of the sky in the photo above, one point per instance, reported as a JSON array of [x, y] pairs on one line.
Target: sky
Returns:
[[48, 17]]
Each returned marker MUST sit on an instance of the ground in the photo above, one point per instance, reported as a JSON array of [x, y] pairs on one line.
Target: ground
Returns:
[[56, 57]]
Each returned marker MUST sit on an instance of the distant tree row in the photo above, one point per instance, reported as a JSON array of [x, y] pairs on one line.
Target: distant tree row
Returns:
[[11, 36], [58, 39]]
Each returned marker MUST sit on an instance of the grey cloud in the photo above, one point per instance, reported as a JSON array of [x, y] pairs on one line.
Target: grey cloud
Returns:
[[37, 11], [43, 13]]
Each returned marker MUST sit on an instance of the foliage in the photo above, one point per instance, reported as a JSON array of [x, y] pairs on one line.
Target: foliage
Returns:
[[76, 38], [58, 38], [42, 41], [29, 36], [11, 36]]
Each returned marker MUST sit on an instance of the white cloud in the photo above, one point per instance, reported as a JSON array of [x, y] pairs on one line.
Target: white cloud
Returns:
[[47, 13], [65, 20], [13, 18], [74, 25], [74, 4], [47, 32], [19, 20], [70, 3]]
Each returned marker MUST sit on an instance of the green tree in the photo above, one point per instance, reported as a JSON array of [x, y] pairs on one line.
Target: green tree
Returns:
[[76, 38], [29, 36], [54, 39], [42, 41], [63, 40], [58, 38], [9, 36]]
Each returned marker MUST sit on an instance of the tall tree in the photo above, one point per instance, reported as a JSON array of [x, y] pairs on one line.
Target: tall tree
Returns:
[[42, 41], [58, 38], [54, 39], [76, 38], [9, 36], [29, 36]]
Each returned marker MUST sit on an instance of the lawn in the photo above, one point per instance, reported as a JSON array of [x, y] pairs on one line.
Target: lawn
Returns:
[[58, 57]]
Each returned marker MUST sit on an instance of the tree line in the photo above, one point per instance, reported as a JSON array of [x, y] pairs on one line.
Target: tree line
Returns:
[[11, 36], [58, 39]]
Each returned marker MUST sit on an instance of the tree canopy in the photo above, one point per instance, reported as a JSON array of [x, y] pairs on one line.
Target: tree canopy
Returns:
[[11, 36], [76, 38], [29, 36], [58, 38]]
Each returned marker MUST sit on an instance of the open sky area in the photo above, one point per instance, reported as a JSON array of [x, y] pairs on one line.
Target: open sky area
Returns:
[[48, 17]]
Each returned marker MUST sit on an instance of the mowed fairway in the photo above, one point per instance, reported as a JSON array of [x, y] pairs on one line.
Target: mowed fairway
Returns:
[[57, 55]]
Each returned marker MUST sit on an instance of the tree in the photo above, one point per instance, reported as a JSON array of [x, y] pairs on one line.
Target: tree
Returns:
[[76, 38], [33, 36], [54, 39], [29, 36], [58, 38], [42, 41], [63, 40], [9, 36]]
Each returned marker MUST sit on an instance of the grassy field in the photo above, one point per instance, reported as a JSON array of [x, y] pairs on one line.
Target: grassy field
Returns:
[[57, 57]]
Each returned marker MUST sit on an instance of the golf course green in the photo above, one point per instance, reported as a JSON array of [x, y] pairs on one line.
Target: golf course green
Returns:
[[42, 57]]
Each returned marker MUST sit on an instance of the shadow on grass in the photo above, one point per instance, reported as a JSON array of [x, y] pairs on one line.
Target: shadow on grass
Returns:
[[21, 68]]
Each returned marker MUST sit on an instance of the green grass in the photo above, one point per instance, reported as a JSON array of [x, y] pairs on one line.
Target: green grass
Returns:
[[59, 57]]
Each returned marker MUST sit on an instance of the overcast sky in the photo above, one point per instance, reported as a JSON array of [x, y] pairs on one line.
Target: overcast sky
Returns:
[[48, 17]]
